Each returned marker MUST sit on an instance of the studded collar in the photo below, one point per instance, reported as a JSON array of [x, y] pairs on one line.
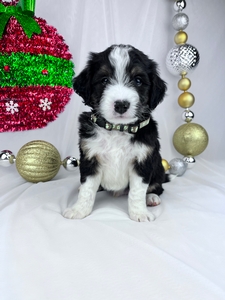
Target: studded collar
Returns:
[[129, 128]]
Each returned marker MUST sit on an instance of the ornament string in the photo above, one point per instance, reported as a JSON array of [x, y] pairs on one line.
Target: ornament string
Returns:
[[189, 139], [38, 161]]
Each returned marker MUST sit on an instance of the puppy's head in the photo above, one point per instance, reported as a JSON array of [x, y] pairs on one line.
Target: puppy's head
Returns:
[[121, 84]]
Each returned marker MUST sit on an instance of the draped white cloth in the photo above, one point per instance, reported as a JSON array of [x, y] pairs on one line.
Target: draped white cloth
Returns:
[[181, 255]]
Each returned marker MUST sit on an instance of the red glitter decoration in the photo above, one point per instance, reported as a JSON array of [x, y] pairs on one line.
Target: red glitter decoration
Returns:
[[31, 107], [48, 42]]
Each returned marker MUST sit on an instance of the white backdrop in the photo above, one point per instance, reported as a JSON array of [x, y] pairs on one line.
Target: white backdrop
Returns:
[[107, 256]]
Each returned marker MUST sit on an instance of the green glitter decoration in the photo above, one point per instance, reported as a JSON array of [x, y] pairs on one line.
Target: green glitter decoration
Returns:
[[27, 69], [25, 19]]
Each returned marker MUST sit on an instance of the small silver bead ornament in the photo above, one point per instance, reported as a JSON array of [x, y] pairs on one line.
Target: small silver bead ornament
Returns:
[[188, 115], [7, 158], [190, 160], [179, 5], [70, 163]]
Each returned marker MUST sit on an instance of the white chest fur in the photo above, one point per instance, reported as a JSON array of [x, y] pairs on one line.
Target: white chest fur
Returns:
[[116, 154]]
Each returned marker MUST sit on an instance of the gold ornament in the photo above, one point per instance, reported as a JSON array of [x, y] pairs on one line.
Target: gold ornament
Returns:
[[38, 161], [186, 100], [184, 84], [165, 164], [181, 37], [190, 139]]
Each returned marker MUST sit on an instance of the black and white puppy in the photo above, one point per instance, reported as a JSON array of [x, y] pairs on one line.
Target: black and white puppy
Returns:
[[119, 147]]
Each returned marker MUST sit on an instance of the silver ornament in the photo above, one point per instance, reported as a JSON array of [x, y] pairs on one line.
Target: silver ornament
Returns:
[[179, 5], [70, 163], [7, 158], [180, 21], [188, 115], [177, 166], [190, 160], [182, 58]]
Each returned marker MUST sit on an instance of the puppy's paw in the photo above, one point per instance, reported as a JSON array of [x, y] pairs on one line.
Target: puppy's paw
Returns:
[[76, 213], [152, 200], [141, 215]]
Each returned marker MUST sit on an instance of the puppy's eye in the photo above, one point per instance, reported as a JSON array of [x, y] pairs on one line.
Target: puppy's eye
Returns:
[[104, 80], [138, 81]]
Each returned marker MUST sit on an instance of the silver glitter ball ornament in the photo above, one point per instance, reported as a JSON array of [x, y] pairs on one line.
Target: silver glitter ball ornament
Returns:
[[177, 166], [7, 158], [182, 58], [180, 21], [179, 5], [190, 160], [188, 115], [70, 163]]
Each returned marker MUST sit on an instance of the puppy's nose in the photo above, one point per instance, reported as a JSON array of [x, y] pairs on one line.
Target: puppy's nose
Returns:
[[121, 106]]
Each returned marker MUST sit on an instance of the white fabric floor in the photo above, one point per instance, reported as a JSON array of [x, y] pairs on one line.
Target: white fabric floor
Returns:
[[181, 255]]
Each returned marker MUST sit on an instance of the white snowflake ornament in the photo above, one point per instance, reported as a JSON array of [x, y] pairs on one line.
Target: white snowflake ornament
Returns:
[[45, 104], [12, 107]]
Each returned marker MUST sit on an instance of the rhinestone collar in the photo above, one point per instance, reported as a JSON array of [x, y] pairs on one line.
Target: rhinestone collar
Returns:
[[129, 128]]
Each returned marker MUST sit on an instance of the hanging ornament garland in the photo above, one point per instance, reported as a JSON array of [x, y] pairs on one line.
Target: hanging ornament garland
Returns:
[[189, 139], [36, 69], [37, 161]]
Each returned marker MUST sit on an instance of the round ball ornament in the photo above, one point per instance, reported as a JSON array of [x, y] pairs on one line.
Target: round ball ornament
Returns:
[[165, 164], [182, 59], [6, 158], [181, 38], [190, 139], [38, 161], [36, 69], [70, 162], [188, 115], [179, 5], [184, 84], [190, 160], [180, 21], [177, 166], [186, 100]]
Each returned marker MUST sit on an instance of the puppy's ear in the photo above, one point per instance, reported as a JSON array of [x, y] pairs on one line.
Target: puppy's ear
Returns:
[[157, 90], [81, 85]]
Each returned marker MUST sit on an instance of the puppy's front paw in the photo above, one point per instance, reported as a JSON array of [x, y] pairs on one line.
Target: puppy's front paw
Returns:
[[141, 215], [152, 200], [75, 213]]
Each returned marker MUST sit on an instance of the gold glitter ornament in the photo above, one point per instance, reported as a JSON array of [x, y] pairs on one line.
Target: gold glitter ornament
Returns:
[[165, 164], [190, 139], [38, 161]]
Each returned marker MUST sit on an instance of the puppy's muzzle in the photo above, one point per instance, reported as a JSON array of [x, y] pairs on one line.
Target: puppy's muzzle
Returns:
[[121, 106]]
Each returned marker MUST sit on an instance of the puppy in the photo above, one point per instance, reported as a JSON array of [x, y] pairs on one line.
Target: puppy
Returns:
[[119, 147]]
